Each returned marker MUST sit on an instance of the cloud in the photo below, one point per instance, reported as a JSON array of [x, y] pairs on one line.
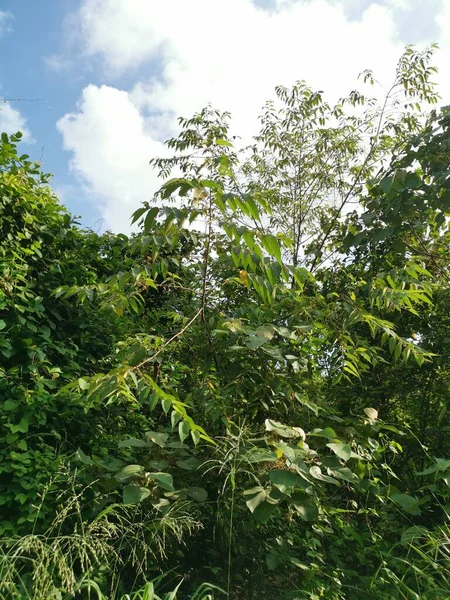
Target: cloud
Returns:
[[58, 63], [12, 121], [5, 22], [111, 151], [186, 54]]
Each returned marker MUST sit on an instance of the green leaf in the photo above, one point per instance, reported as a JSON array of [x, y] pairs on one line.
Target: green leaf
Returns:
[[259, 495], [189, 464], [197, 493], [183, 430], [157, 437], [133, 494], [386, 184], [163, 480], [10, 405], [133, 443], [413, 533], [261, 455], [83, 458], [272, 246], [328, 433], [254, 342], [298, 563], [138, 213], [412, 181], [174, 418], [264, 511], [221, 142], [342, 450], [306, 508], [2, 324], [317, 474], [273, 561], [195, 435], [83, 384], [129, 471], [408, 503], [22, 426], [285, 481], [284, 430], [166, 404], [150, 218]]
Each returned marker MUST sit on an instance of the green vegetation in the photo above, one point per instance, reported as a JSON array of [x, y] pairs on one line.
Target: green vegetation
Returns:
[[253, 390]]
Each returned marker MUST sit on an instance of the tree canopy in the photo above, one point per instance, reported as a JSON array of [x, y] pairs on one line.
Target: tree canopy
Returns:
[[249, 396]]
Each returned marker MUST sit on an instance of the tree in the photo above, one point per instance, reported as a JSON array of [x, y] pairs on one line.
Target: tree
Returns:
[[235, 387]]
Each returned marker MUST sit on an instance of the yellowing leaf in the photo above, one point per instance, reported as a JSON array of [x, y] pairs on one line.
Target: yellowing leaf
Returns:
[[243, 276]]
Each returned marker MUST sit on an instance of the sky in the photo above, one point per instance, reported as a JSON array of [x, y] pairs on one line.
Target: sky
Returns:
[[96, 86]]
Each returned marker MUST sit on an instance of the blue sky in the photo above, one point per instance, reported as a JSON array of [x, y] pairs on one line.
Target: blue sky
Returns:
[[36, 32], [111, 76]]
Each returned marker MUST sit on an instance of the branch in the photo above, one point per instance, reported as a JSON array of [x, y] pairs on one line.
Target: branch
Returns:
[[173, 338]]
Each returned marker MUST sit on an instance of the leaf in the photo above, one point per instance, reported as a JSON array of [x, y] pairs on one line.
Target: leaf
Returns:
[[412, 181], [298, 564], [272, 245], [174, 418], [157, 437], [138, 213], [408, 503], [183, 430], [342, 450], [10, 405], [344, 473], [257, 455], [221, 142], [22, 426], [129, 471], [133, 443], [284, 430], [195, 435], [254, 342], [328, 433], [264, 511], [256, 500], [197, 493], [133, 494], [166, 404], [83, 458], [413, 533], [273, 561], [317, 474], [446, 477], [83, 384], [189, 464], [159, 465], [386, 183], [306, 508], [163, 480], [285, 481], [150, 218], [2, 324], [372, 413]]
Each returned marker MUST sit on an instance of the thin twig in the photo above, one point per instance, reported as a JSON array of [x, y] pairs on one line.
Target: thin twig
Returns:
[[173, 338]]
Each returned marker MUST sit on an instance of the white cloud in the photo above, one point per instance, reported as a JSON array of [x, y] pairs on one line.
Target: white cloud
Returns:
[[111, 152], [58, 63], [5, 22], [229, 53], [12, 121]]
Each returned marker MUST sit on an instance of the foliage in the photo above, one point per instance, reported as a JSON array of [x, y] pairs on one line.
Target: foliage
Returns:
[[253, 388]]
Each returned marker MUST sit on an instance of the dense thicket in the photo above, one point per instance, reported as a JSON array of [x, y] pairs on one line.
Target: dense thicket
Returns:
[[253, 390]]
